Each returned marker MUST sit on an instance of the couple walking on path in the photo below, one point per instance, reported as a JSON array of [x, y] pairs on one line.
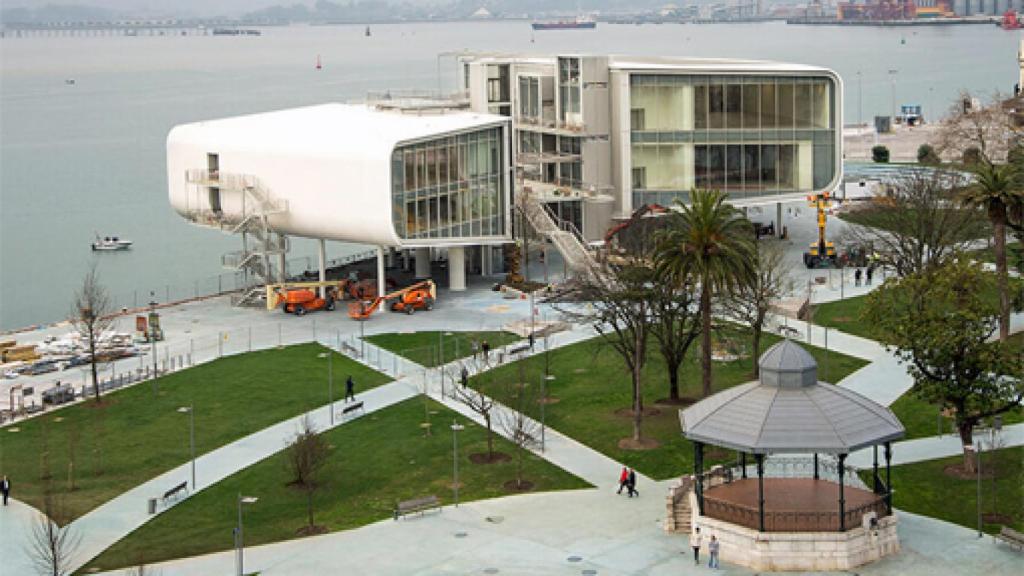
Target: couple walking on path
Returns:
[[627, 480], [696, 539]]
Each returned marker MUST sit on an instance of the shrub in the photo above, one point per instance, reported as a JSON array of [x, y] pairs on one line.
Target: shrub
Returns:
[[972, 156], [926, 154], [880, 154]]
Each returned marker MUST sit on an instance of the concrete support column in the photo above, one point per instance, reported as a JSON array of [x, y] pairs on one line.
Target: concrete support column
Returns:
[[405, 260], [456, 268], [322, 263], [391, 258], [778, 219], [485, 268], [422, 263], [382, 286]]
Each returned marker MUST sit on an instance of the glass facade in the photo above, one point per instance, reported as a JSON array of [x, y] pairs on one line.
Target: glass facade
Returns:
[[745, 135], [451, 187]]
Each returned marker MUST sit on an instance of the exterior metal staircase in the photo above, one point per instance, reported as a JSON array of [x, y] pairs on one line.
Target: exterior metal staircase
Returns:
[[250, 206], [566, 237]]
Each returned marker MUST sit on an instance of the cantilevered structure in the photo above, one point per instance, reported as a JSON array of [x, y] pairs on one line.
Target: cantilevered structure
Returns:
[[393, 176]]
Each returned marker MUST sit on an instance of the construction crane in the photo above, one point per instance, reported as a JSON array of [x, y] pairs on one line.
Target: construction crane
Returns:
[[822, 254], [419, 296]]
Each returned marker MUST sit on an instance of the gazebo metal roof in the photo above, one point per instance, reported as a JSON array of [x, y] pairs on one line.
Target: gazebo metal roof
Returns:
[[788, 410]]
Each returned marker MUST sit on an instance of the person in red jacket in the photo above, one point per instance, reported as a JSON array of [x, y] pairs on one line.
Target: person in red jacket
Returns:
[[623, 479]]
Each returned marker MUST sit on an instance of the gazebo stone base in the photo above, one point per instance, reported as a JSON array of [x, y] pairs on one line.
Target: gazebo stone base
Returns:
[[800, 551]]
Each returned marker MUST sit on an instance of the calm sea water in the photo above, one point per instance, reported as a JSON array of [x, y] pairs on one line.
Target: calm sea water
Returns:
[[89, 157]]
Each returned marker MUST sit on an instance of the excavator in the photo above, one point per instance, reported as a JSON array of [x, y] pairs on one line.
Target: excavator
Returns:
[[633, 219], [419, 296], [822, 254]]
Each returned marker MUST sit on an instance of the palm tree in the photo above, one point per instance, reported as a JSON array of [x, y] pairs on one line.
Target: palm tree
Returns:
[[995, 188], [712, 243]]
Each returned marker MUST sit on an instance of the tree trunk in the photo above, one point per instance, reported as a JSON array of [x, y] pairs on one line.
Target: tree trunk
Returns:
[[997, 213], [309, 504], [673, 381], [757, 350], [638, 399], [705, 341], [966, 430], [92, 364], [490, 437]]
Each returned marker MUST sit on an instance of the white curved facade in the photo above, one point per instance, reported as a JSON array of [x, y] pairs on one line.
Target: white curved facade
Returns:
[[329, 169]]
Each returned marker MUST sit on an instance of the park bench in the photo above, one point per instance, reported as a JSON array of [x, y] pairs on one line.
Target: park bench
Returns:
[[415, 505], [174, 492], [518, 350], [352, 408], [1011, 537]]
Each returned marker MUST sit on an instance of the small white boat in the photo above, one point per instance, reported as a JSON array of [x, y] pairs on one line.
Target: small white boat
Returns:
[[110, 243]]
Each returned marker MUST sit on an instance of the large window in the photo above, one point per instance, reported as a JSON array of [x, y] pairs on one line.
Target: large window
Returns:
[[743, 134], [529, 97], [450, 187]]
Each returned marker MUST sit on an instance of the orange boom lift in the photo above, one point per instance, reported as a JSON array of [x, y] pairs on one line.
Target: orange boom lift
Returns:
[[419, 296]]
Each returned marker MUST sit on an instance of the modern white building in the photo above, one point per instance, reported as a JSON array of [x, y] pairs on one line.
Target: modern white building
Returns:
[[400, 176], [598, 137]]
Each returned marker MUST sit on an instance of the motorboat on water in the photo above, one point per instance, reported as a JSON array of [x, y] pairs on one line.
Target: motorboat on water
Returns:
[[110, 243]]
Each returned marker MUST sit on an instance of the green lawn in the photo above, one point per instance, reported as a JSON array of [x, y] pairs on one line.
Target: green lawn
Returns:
[[376, 460], [923, 488], [423, 347], [592, 392], [136, 434], [988, 254]]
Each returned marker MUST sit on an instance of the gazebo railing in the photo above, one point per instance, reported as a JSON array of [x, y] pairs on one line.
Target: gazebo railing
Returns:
[[788, 520], [799, 467]]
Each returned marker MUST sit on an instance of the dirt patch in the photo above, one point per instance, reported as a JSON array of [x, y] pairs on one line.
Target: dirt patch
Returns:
[[628, 412], [549, 400], [842, 319], [958, 471], [311, 530], [642, 444], [684, 401], [997, 518], [483, 458], [524, 486]]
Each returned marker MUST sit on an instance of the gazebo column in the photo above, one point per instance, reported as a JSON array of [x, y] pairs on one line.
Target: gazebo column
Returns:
[[842, 494], [760, 491], [816, 466], [874, 475], [698, 474], [743, 465], [888, 479]]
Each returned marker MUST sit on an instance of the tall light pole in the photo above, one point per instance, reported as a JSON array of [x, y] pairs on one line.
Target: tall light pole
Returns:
[[892, 76], [456, 428], [977, 454], [152, 338], [860, 99], [238, 530], [330, 381], [190, 410]]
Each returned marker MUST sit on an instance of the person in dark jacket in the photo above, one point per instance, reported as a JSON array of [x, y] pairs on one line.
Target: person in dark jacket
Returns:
[[350, 389], [5, 488], [631, 483]]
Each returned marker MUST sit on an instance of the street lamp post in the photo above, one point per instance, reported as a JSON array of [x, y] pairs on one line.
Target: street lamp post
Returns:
[[152, 339], [190, 410], [860, 100], [239, 532], [456, 428], [330, 383], [892, 76], [977, 455]]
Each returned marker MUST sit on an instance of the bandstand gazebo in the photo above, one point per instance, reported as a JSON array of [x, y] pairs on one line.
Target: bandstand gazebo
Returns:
[[818, 518]]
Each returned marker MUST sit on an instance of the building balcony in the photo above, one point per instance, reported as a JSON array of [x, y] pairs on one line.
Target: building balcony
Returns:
[[561, 190], [549, 126]]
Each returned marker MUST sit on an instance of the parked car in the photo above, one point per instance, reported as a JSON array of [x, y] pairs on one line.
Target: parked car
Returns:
[[40, 368], [59, 394]]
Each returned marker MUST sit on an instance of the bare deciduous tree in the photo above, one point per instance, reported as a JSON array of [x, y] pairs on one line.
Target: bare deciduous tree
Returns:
[[751, 301], [307, 455], [915, 223], [516, 421], [989, 127], [675, 325], [478, 402], [53, 541], [91, 316]]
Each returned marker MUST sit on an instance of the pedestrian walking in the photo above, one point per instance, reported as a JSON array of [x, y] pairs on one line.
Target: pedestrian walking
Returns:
[[464, 377], [485, 346], [5, 488], [623, 479], [870, 273], [473, 346], [530, 340], [695, 540], [856, 277], [631, 483], [350, 389], [713, 552]]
